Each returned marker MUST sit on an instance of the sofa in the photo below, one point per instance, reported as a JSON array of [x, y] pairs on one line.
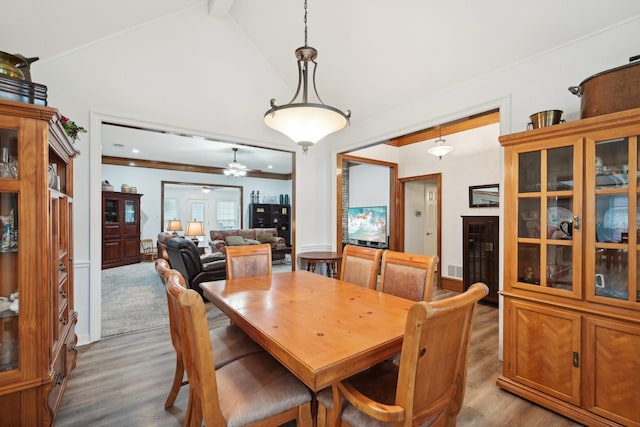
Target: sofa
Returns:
[[220, 239]]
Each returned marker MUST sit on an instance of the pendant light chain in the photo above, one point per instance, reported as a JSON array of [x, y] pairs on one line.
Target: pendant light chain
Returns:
[[304, 121], [305, 23]]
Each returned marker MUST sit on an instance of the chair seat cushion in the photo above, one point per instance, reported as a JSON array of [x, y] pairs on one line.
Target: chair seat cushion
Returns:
[[378, 382], [257, 381], [230, 343]]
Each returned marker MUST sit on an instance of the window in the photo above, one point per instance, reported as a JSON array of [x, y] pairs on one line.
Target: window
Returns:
[[227, 214]]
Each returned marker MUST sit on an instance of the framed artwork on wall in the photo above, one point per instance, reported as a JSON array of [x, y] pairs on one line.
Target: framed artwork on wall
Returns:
[[484, 196]]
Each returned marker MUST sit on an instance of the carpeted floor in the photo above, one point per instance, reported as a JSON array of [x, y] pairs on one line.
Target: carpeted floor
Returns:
[[133, 299]]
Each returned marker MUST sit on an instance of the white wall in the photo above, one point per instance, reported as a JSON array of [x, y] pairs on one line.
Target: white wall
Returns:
[[148, 182], [206, 86], [475, 160], [368, 185]]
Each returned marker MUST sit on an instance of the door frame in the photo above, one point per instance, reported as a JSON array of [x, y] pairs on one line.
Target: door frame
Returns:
[[437, 177], [396, 241]]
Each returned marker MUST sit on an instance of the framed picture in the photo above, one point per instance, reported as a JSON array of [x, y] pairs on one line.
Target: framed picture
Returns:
[[484, 196]]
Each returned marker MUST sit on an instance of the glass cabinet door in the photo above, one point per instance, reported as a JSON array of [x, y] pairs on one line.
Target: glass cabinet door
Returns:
[[615, 209], [549, 219], [9, 286], [112, 210], [130, 211]]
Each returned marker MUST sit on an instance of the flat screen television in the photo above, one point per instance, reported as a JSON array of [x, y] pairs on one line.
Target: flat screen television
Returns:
[[367, 224]]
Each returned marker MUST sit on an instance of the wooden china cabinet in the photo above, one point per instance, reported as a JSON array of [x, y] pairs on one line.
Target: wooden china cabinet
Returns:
[[37, 316], [572, 270], [120, 229]]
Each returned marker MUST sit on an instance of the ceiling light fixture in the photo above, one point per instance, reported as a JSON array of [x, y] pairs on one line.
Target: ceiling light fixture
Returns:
[[235, 169], [306, 122], [440, 150]]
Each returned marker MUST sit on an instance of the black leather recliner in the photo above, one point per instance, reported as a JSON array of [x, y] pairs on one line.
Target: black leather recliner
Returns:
[[184, 257]]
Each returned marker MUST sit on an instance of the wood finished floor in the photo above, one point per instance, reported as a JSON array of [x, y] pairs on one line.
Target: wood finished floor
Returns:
[[123, 381]]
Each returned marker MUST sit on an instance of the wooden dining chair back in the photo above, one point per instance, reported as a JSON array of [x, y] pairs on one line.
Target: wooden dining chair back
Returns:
[[252, 390], [429, 384], [248, 261], [410, 276], [360, 265], [149, 250], [229, 342]]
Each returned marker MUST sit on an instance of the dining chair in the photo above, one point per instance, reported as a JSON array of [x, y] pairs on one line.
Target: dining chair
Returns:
[[360, 265], [428, 385], [248, 260], [410, 276], [229, 342], [253, 390]]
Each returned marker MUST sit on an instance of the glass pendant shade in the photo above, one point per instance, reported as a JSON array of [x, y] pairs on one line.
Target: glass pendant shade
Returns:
[[306, 123], [440, 150], [302, 121]]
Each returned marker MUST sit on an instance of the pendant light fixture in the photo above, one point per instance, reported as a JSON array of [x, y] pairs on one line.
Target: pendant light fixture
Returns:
[[235, 169], [440, 149], [306, 122]]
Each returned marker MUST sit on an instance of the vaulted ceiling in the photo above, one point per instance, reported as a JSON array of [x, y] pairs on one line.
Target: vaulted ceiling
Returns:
[[374, 56]]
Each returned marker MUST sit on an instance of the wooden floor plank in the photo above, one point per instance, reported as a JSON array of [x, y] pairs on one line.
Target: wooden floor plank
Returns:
[[124, 380]]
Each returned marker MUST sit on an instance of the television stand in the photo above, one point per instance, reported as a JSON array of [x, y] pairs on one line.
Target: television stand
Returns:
[[365, 243]]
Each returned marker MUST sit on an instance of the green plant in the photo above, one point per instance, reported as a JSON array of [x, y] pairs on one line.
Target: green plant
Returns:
[[71, 128]]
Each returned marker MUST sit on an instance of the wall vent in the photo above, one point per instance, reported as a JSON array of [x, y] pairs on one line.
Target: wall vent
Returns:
[[454, 271]]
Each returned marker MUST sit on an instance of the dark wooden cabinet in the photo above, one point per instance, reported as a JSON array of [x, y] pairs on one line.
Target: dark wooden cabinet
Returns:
[[266, 215], [480, 253], [120, 228]]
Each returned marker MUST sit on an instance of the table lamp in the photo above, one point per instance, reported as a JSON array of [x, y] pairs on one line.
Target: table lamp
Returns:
[[174, 225], [194, 229]]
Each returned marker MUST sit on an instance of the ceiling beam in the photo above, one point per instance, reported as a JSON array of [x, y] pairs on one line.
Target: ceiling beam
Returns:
[[154, 164], [219, 8], [456, 126]]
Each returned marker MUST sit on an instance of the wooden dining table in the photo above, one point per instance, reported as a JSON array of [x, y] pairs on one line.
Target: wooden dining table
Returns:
[[320, 328]]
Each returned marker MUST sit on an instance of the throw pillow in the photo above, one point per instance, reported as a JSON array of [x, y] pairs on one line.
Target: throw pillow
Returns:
[[265, 238], [251, 242], [235, 240]]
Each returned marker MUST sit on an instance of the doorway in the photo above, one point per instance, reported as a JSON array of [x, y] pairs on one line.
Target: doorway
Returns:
[[421, 212]]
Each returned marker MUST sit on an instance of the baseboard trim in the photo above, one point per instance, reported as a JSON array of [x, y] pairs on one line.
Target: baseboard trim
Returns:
[[451, 284]]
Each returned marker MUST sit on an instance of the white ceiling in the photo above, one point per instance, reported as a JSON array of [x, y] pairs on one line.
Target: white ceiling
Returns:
[[373, 56]]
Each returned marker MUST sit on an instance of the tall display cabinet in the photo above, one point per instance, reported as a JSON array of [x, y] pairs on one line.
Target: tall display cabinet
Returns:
[[263, 215], [37, 316], [572, 270]]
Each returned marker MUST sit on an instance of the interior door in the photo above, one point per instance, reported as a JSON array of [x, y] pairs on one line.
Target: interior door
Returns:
[[431, 218]]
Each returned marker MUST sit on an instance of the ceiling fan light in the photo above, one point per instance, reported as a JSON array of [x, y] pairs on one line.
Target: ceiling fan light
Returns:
[[235, 169]]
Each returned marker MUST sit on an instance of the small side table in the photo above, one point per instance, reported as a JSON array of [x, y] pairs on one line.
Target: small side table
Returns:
[[331, 259]]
